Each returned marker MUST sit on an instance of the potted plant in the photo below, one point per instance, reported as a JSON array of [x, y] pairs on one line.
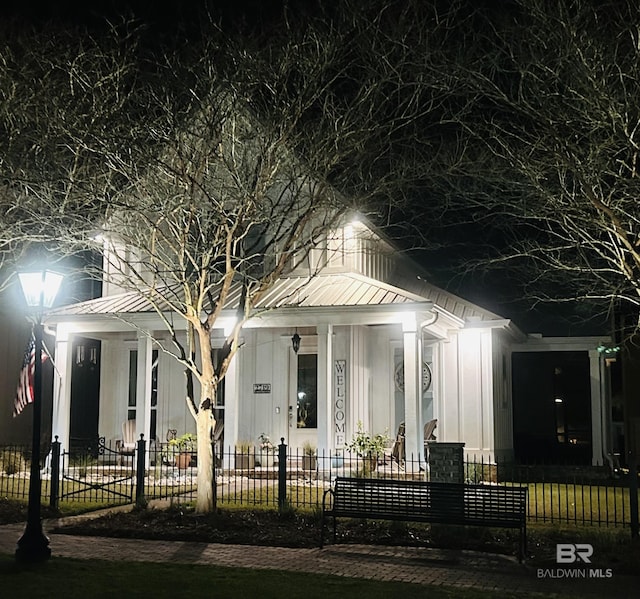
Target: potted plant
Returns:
[[245, 457], [267, 451], [368, 447], [309, 458], [183, 448]]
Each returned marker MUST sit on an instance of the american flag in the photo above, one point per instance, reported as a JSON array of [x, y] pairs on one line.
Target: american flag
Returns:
[[24, 394]]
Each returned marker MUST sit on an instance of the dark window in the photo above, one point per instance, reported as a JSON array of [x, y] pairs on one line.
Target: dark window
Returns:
[[154, 395], [133, 381], [133, 390], [552, 407], [307, 391]]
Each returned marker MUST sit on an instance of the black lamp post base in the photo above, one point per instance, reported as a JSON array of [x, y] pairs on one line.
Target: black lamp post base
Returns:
[[33, 546]]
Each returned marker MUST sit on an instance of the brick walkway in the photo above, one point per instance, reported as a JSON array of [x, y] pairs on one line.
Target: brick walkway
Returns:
[[427, 566]]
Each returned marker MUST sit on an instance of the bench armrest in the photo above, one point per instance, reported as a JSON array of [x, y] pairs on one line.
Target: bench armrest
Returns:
[[324, 498]]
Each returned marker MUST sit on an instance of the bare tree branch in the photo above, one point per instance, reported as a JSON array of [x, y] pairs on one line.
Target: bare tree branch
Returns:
[[212, 169]]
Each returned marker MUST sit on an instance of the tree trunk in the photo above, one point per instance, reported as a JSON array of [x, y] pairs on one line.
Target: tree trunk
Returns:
[[205, 423]]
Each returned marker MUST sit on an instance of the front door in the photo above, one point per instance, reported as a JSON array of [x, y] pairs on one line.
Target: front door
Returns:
[[85, 394], [303, 399]]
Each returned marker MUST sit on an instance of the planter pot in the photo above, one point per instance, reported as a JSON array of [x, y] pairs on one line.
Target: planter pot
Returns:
[[245, 461], [267, 460], [183, 461], [366, 465], [370, 464], [309, 462]]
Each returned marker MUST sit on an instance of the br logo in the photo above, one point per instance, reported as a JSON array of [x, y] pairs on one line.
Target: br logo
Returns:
[[568, 553]]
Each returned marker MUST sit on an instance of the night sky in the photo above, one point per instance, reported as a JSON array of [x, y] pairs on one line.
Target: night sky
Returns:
[[162, 16]]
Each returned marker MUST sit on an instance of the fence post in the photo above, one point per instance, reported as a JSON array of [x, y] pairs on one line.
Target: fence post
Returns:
[[282, 474], [55, 475], [140, 471], [214, 482], [633, 494]]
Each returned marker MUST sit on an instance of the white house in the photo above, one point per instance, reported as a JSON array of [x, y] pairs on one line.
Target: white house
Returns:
[[378, 344]]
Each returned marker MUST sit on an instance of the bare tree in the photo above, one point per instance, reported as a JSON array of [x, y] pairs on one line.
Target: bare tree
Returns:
[[212, 168], [544, 159], [61, 93]]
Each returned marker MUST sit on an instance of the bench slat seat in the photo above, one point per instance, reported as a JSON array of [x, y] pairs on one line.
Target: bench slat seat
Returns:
[[430, 502]]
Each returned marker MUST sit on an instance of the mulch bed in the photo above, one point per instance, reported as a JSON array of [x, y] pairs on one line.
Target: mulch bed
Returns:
[[262, 527]]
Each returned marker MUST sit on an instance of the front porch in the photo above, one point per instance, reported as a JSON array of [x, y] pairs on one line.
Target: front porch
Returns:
[[352, 382]]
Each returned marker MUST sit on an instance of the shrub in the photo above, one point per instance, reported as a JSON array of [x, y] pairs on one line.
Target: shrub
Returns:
[[366, 445], [12, 462]]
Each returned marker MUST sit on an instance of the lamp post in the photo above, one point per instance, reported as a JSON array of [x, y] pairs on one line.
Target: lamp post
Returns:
[[40, 289]]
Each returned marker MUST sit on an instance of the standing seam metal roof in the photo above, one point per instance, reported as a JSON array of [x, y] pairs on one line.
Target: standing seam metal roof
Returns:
[[326, 290]]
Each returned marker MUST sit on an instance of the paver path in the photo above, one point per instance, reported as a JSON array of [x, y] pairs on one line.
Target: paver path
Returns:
[[407, 564]]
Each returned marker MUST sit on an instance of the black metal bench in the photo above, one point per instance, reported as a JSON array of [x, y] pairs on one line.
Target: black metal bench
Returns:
[[422, 501]]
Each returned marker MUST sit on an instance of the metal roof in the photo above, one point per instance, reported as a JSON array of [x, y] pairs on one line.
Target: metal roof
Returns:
[[461, 308], [317, 291], [325, 290]]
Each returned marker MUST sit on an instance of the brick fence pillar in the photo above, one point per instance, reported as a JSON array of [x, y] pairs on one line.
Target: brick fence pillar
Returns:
[[446, 462]]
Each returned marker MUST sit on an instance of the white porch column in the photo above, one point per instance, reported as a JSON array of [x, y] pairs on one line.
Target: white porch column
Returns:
[[61, 423], [596, 408], [231, 412], [359, 381], [143, 390], [325, 371], [412, 345]]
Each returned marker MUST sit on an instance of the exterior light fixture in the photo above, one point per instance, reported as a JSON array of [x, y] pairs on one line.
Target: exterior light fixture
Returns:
[[295, 341], [40, 289], [558, 400]]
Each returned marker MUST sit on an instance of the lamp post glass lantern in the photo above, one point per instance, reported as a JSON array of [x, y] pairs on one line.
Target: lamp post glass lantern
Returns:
[[40, 289]]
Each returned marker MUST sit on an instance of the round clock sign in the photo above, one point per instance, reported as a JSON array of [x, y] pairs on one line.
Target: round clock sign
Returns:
[[399, 376]]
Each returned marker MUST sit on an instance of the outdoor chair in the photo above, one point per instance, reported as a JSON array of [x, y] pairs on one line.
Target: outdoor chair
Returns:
[[127, 446], [429, 427], [397, 451], [218, 440]]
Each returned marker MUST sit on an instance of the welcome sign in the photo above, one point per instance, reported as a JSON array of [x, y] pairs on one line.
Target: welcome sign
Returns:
[[339, 402]]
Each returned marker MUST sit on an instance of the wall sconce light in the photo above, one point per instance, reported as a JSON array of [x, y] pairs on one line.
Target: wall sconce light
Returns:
[[295, 341]]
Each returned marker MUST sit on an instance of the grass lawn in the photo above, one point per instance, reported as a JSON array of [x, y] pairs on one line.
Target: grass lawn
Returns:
[[566, 503], [80, 579]]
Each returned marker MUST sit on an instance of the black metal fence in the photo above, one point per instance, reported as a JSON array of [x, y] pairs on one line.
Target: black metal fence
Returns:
[[287, 477]]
